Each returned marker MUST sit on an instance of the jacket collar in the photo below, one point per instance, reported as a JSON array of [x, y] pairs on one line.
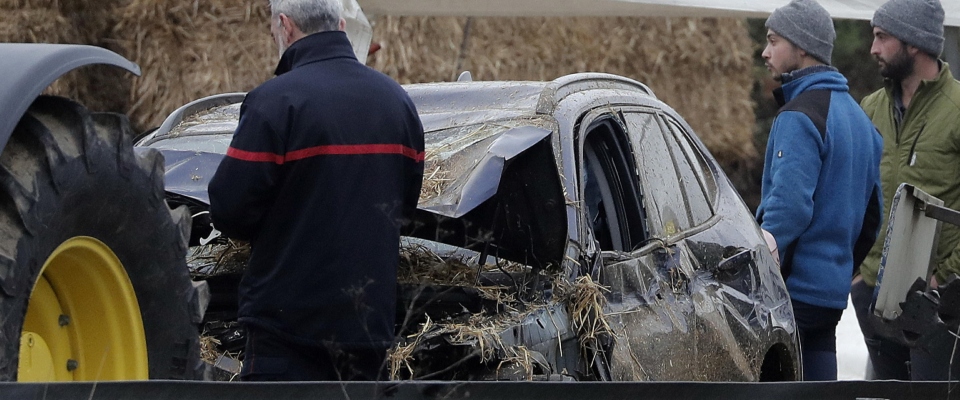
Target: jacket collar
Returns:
[[800, 73], [810, 78], [941, 80], [313, 48]]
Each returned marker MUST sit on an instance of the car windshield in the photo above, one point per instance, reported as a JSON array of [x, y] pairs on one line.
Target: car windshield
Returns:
[[207, 143], [207, 131]]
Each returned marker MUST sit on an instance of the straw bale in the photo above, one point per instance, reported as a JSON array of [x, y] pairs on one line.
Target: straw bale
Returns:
[[36, 25], [100, 88], [40, 22], [192, 49], [700, 66]]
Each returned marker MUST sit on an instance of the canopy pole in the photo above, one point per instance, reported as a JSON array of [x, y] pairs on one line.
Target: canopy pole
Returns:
[[951, 49]]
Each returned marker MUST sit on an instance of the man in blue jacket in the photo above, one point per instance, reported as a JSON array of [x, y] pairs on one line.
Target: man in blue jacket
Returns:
[[820, 197], [325, 165]]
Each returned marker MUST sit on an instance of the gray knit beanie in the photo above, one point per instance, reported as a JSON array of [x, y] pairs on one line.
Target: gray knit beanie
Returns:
[[807, 25], [918, 23]]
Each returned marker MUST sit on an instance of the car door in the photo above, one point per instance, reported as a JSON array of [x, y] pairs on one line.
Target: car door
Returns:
[[649, 308], [725, 274]]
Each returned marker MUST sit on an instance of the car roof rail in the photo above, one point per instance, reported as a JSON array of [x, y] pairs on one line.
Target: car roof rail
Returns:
[[563, 86], [196, 106], [592, 79]]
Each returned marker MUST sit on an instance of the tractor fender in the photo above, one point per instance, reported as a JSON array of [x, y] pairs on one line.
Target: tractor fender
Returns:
[[28, 68]]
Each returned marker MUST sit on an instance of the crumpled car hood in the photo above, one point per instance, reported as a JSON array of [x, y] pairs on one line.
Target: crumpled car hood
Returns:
[[463, 170]]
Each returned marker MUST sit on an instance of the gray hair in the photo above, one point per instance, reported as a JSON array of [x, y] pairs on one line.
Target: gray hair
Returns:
[[311, 16]]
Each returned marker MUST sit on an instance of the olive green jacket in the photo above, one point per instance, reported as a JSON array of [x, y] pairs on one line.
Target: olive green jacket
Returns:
[[924, 152]]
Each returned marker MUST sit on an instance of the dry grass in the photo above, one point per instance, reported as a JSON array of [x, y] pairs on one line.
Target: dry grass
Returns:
[[435, 179], [400, 356], [191, 49], [482, 332], [208, 349], [586, 310], [218, 257], [420, 265]]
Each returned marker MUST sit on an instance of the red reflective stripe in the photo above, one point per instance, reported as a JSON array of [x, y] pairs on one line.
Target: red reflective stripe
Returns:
[[337, 149], [255, 156], [348, 149]]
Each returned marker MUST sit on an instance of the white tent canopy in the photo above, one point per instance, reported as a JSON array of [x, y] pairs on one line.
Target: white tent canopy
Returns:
[[846, 9]]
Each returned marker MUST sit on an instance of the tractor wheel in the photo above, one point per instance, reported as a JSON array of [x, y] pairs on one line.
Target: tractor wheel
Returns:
[[93, 280]]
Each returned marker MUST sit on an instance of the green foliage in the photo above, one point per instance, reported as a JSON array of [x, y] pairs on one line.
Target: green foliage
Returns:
[[851, 55]]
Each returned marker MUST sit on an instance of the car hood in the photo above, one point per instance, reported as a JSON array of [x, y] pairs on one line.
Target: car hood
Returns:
[[465, 168], [188, 173]]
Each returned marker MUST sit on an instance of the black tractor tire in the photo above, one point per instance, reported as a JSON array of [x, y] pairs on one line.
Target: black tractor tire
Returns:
[[67, 172]]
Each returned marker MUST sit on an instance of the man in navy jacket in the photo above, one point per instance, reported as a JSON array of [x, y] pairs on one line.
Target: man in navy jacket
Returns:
[[820, 197], [325, 165]]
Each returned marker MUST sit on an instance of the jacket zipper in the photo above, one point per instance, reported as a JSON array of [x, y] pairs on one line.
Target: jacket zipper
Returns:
[[913, 147]]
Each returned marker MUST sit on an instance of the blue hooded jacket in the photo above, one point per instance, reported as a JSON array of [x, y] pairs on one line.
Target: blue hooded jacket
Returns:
[[821, 196]]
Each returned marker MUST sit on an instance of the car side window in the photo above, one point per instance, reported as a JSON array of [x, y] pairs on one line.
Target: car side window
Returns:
[[611, 195], [692, 171], [659, 174]]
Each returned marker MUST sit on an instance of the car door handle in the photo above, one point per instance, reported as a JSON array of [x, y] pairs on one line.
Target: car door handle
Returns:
[[740, 258]]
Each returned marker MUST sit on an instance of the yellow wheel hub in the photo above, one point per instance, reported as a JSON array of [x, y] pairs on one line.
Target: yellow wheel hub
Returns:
[[83, 321]]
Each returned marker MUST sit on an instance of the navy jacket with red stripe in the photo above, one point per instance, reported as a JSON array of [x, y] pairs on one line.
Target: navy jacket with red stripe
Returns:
[[326, 163]]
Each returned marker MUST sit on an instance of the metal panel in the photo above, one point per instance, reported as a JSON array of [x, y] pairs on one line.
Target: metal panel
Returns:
[[28, 69], [908, 249], [838, 390]]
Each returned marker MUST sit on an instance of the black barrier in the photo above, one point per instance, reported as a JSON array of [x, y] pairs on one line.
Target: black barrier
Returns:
[[155, 390]]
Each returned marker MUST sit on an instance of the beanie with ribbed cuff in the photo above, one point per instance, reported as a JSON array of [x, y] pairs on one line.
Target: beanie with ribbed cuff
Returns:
[[918, 23], [807, 25]]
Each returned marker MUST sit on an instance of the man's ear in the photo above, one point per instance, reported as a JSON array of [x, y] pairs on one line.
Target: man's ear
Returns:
[[287, 28], [912, 51], [343, 24]]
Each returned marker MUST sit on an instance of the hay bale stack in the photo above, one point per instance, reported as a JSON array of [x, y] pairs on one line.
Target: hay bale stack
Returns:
[[39, 21], [100, 88], [189, 50], [700, 66], [35, 21]]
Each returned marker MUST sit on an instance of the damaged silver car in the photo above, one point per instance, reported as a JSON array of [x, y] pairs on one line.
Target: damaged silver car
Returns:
[[575, 229]]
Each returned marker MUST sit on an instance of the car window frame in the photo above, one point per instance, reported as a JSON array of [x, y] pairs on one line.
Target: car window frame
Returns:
[[654, 199], [677, 144], [587, 124], [706, 175]]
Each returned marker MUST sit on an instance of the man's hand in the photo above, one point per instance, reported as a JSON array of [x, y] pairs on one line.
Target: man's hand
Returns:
[[772, 244]]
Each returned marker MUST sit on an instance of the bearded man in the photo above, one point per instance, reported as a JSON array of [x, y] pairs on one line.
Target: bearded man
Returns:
[[918, 114]]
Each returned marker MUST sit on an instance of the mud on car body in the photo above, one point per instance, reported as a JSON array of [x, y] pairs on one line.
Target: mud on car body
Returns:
[[567, 230]]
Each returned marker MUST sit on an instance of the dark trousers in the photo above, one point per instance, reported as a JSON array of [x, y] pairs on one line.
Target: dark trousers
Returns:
[[893, 360], [818, 340], [268, 357]]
